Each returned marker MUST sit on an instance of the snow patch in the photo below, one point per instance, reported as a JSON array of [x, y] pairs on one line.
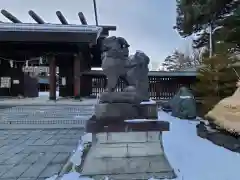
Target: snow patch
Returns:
[[194, 158], [148, 102], [76, 158]]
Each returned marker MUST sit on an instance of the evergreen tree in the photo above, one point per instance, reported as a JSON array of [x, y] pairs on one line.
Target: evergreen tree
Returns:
[[216, 78], [230, 33], [195, 16]]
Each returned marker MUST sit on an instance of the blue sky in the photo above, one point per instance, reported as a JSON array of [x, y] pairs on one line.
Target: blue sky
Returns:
[[146, 24]]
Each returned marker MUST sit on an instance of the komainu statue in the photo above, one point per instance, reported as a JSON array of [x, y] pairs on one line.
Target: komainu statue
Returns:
[[116, 63], [226, 114], [137, 74], [114, 60]]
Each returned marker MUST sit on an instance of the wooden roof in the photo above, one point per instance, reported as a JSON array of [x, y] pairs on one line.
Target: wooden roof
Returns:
[[19, 40], [47, 32]]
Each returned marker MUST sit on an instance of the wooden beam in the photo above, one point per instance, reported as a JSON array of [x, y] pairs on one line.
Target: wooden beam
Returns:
[[61, 18], [109, 28], [9, 16], [37, 18], [82, 18]]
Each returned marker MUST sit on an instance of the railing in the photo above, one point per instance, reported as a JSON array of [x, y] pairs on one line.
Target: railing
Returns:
[[162, 85]]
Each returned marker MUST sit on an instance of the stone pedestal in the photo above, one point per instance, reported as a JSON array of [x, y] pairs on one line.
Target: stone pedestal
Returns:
[[123, 149], [148, 111], [127, 155], [116, 110], [125, 111]]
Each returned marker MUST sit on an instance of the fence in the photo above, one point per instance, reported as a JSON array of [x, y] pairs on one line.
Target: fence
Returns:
[[162, 85]]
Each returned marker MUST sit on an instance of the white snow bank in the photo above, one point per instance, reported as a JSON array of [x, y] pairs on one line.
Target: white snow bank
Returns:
[[76, 158], [194, 158], [74, 176]]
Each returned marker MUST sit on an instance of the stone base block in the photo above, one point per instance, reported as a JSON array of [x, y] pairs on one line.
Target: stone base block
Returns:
[[120, 125], [148, 111], [124, 150], [120, 97], [128, 137], [130, 155], [115, 110], [125, 111]]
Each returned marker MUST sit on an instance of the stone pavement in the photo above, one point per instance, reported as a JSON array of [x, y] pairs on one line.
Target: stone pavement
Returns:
[[48, 116], [37, 137], [43, 100], [35, 154]]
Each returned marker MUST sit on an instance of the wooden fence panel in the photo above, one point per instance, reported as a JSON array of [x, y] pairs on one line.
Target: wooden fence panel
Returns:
[[160, 87]]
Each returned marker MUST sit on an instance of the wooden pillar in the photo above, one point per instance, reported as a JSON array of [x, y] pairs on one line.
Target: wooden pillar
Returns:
[[76, 74], [85, 81], [52, 77]]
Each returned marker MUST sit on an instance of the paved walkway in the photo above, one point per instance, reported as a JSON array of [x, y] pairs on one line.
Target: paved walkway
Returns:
[[48, 116], [43, 100], [35, 154], [37, 136]]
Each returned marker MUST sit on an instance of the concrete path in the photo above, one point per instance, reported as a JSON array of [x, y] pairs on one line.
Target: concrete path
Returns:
[[35, 154]]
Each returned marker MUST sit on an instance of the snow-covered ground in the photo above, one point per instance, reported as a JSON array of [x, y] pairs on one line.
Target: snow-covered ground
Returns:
[[192, 158], [47, 93]]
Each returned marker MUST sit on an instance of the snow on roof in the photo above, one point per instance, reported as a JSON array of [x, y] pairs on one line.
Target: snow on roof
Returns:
[[49, 27]]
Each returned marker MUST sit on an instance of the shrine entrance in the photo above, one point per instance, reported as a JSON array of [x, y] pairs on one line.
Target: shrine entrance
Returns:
[[74, 49]]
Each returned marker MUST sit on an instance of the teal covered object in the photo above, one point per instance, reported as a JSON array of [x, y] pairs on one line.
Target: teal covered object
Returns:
[[183, 104]]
